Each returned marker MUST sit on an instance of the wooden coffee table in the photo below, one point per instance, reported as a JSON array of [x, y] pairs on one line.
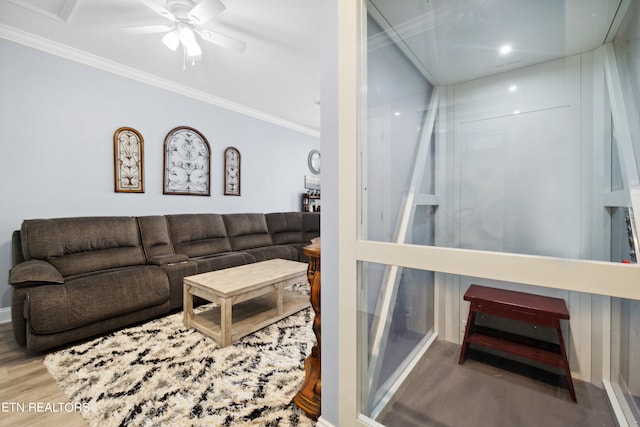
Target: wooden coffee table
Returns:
[[249, 296]]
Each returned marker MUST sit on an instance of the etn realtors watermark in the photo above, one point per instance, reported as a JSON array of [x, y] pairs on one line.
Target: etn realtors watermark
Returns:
[[43, 407]]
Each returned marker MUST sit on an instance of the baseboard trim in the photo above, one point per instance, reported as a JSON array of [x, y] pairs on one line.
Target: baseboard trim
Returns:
[[5, 315], [323, 423]]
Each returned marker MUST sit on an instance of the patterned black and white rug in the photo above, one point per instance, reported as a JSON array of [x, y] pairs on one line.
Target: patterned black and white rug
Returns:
[[163, 374]]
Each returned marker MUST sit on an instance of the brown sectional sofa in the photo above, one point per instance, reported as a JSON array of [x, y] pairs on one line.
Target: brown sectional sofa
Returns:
[[73, 278]]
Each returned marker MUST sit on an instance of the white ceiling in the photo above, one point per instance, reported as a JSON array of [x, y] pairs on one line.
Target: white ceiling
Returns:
[[454, 41], [278, 75]]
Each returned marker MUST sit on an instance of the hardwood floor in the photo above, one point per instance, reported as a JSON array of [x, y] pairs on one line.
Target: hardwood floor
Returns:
[[29, 395], [25, 381]]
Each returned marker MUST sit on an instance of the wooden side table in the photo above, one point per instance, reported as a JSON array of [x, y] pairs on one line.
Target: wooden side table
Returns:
[[308, 397], [534, 309]]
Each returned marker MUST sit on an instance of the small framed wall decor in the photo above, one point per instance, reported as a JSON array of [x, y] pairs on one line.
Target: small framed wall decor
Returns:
[[187, 162], [128, 160], [231, 172]]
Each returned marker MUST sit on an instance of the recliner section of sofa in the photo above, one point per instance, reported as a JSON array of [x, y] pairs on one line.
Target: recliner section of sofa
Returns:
[[78, 272], [203, 239], [293, 228], [249, 233], [74, 278]]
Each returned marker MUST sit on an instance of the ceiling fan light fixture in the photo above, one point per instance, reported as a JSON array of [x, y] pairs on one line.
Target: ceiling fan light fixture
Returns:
[[186, 34], [188, 40], [193, 49], [171, 40], [187, 16]]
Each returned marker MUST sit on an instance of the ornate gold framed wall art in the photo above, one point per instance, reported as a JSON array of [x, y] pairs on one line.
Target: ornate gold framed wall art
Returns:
[[187, 162], [128, 160], [231, 172]]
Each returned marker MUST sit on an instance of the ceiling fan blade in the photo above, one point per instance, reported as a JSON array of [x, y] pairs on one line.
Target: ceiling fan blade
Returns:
[[148, 29], [159, 9], [222, 40], [205, 10]]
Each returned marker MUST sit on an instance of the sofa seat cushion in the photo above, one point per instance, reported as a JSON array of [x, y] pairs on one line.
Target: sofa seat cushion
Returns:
[[91, 298], [275, 251], [221, 261]]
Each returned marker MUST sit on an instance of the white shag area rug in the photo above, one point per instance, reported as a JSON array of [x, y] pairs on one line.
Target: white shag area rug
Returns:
[[163, 374]]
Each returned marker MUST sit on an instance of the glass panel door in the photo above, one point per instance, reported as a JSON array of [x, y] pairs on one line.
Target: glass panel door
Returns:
[[398, 166], [478, 155], [625, 320]]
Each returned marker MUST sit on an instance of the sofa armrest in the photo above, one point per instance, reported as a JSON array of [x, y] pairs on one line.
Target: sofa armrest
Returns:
[[34, 272], [168, 259]]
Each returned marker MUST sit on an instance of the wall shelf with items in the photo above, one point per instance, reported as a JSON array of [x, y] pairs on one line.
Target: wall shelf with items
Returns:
[[311, 201]]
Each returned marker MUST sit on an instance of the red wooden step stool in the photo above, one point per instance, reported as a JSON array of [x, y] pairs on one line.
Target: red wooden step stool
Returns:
[[524, 307]]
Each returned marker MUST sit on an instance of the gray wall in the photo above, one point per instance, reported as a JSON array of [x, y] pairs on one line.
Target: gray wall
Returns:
[[57, 120]]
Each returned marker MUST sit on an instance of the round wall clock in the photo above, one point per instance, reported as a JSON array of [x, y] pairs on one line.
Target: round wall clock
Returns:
[[314, 162]]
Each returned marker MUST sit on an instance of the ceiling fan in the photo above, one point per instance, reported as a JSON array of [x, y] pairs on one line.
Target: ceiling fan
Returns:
[[187, 18]]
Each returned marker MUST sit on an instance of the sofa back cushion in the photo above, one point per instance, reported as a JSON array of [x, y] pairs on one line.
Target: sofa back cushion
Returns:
[[310, 226], [247, 231], [16, 248], [285, 227], [155, 236], [84, 244], [197, 235]]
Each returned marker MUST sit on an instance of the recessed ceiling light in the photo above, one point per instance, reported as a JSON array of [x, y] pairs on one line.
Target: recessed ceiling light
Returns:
[[397, 113], [505, 49], [513, 88]]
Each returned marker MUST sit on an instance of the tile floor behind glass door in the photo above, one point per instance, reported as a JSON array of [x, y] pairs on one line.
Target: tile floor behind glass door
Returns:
[[442, 393]]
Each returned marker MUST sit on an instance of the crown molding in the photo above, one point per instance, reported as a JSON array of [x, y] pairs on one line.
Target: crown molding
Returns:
[[49, 46]]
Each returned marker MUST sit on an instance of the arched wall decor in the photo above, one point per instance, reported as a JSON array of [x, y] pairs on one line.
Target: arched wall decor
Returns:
[[231, 172], [128, 161], [187, 162]]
